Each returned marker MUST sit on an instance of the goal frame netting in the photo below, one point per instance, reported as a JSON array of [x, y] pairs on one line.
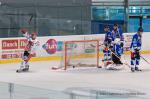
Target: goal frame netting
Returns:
[[80, 41]]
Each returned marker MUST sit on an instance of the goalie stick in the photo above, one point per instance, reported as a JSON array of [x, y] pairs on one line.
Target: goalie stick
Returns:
[[118, 57], [115, 55], [120, 60]]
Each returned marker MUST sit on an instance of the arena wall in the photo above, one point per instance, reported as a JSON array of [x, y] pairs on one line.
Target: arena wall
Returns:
[[51, 47]]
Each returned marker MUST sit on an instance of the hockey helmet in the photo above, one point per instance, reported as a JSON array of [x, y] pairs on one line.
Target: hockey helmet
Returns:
[[117, 41], [106, 26], [140, 29], [33, 33]]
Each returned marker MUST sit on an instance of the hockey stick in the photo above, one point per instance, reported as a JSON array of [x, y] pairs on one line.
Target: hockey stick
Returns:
[[95, 46], [56, 68], [118, 58], [115, 55], [144, 59], [30, 19]]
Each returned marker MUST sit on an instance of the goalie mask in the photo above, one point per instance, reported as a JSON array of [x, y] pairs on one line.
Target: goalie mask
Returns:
[[117, 41]]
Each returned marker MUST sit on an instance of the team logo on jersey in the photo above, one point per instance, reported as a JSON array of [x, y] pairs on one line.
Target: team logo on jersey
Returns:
[[50, 46]]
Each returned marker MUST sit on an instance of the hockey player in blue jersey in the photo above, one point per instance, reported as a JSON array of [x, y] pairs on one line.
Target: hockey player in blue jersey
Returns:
[[117, 52], [118, 33], [108, 36], [107, 46], [135, 50]]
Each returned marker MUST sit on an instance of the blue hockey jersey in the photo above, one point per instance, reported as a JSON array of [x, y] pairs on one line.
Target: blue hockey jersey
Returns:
[[118, 34], [136, 42], [117, 49], [108, 38]]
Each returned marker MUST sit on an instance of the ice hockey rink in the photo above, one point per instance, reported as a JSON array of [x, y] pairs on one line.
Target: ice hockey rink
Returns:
[[80, 80], [64, 32]]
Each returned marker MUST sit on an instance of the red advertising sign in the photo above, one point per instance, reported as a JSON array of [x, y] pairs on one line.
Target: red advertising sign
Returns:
[[51, 46], [23, 43], [11, 48], [9, 56], [10, 44]]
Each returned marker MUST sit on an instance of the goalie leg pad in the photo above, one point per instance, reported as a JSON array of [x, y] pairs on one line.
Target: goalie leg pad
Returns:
[[116, 59]]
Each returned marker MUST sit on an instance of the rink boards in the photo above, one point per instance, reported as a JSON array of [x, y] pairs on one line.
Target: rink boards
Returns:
[[52, 47]]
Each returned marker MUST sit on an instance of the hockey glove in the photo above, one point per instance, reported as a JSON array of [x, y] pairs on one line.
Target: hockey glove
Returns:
[[23, 31]]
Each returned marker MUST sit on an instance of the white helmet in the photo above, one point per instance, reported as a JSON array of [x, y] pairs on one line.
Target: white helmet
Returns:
[[117, 41]]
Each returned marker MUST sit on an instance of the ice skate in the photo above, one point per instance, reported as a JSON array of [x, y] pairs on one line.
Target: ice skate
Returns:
[[137, 69], [132, 69], [23, 69], [19, 70]]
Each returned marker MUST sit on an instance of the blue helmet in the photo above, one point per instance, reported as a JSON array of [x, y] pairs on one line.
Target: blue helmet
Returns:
[[140, 29]]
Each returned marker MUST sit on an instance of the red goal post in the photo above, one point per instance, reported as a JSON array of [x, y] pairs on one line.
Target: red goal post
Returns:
[[81, 53]]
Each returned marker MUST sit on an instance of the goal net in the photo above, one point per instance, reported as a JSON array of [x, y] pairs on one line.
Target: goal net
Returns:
[[83, 53]]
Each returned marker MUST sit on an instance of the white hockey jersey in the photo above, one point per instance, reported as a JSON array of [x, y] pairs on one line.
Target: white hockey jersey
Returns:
[[32, 44]]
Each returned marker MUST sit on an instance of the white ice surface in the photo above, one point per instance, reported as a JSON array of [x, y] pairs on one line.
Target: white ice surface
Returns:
[[41, 76]]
